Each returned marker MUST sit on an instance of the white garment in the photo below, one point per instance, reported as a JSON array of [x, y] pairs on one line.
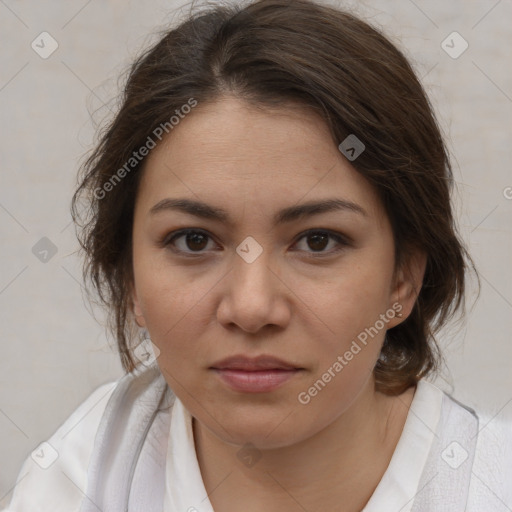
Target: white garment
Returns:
[[63, 485], [60, 487], [184, 486]]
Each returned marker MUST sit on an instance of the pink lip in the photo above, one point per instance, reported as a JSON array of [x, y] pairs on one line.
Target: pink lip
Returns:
[[260, 381], [254, 375], [263, 362]]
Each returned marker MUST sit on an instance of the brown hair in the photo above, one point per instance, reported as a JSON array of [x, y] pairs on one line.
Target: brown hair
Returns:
[[268, 53]]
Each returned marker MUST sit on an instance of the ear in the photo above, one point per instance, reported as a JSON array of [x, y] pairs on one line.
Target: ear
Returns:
[[408, 283], [137, 311]]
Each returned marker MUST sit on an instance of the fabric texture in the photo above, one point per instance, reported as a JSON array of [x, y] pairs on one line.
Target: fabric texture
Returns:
[[129, 432], [61, 486], [130, 446]]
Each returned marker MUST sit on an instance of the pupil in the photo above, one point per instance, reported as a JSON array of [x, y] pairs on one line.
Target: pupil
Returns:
[[196, 241], [192, 238], [316, 238]]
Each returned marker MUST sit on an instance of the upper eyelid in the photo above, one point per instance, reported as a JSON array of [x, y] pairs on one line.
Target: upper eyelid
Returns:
[[177, 234]]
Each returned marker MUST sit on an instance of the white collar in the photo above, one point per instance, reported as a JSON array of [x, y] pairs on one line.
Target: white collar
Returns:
[[399, 484], [184, 487], [185, 491]]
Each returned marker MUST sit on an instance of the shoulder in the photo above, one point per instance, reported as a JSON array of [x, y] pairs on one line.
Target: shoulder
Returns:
[[492, 468], [491, 453], [471, 449], [492, 428], [54, 476]]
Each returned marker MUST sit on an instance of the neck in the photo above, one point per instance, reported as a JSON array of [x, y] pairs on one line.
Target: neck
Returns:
[[338, 467]]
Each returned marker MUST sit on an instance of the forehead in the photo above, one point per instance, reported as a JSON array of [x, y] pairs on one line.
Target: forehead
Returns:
[[233, 130], [230, 147]]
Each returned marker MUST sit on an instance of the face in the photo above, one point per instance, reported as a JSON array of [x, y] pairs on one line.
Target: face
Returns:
[[315, 289]]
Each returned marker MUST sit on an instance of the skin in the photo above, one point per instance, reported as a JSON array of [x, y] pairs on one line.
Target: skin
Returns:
[[333, 451]]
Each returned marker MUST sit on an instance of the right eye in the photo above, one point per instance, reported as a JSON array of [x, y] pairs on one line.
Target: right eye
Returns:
[[193, 241]]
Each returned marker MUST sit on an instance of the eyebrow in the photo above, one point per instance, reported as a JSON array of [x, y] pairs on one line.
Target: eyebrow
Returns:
[[286, 215]]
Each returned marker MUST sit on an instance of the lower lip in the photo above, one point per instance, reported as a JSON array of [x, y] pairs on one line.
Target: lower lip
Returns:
[[256, 381]]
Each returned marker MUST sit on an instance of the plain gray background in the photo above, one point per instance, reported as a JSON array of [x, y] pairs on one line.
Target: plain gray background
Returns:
[[54, 353]]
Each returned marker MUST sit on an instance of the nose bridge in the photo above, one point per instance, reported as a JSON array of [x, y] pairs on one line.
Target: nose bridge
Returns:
[[251, 267], [251, 300]]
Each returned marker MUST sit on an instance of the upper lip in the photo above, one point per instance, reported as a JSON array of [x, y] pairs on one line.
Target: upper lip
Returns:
[[263, 362]]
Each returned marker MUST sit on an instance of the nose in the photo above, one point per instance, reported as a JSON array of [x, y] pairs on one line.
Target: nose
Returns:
[[254, 296]]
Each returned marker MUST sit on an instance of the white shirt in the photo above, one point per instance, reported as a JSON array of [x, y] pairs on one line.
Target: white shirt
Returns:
[[61, 486]]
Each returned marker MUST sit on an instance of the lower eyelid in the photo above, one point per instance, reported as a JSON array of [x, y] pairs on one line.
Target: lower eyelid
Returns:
[[341, 244], [169, 240]]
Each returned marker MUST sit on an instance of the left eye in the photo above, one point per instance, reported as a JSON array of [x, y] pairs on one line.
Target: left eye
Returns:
[[194, 238], [196, 241], [318, 240]]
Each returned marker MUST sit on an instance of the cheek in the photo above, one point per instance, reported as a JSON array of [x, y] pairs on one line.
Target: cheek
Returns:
[[173, 305], [354, 297], [165, 290], [349, 307], [345, 357]]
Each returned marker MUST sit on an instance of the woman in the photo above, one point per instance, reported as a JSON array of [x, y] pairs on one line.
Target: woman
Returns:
[[270, 209]]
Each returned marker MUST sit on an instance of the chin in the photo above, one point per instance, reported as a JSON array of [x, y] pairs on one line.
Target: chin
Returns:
[[261, 439], [265, 431]]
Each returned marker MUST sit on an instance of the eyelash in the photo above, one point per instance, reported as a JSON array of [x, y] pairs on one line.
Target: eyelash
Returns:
[[170, 238]]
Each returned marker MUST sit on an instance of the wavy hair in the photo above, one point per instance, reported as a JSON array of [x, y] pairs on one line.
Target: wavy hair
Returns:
[[268, 53]]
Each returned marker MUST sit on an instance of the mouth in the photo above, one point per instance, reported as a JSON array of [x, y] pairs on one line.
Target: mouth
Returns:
[[250, 364], [255, 375], [256, 381]]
